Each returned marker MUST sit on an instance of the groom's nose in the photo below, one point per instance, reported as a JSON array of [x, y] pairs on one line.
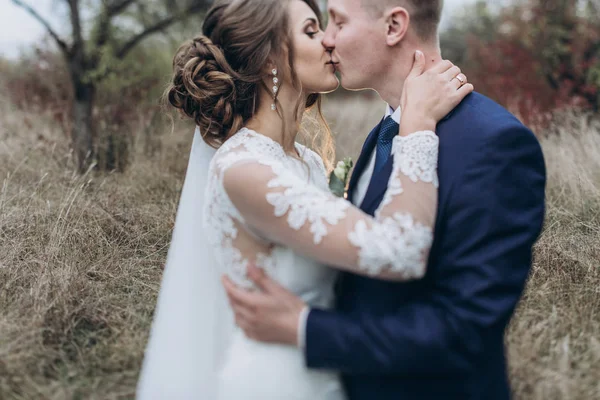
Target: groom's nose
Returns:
[[328, 39]]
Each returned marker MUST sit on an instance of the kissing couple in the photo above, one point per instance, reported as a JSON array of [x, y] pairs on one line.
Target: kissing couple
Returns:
[[277, 289]]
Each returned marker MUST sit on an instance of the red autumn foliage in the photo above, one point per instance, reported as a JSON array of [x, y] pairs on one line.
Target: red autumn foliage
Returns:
[[543, 56]]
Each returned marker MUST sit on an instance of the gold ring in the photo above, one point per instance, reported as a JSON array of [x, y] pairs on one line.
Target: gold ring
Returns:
[[460, 79]]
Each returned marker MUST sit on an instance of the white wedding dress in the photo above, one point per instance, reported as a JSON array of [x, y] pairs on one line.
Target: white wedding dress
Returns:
[[254, 370], [273, 209]]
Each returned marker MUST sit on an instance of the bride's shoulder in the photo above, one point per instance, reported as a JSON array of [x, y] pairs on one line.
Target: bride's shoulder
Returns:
[[245, 146], [311, 156], [249, 141]]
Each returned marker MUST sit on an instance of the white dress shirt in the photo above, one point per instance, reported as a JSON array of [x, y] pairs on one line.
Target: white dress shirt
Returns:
[[359, 195]]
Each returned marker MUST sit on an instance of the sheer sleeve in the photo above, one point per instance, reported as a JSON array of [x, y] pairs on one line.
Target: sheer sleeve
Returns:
[[286, 209]]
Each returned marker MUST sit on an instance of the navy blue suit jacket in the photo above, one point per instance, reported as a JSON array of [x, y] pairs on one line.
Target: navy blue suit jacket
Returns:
[[442, 337]]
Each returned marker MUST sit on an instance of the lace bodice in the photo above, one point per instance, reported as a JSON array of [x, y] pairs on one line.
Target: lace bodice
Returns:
[[266, 207]]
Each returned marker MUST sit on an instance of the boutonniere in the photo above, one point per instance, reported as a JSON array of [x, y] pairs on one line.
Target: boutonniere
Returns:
[[339, 177]]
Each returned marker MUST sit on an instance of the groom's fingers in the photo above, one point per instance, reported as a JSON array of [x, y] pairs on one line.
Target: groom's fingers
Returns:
[[237, 296], [262, 280], [243, 317]]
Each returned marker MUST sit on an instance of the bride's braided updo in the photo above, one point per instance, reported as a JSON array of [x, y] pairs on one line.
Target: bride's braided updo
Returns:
[[204, 89], [217, 75]]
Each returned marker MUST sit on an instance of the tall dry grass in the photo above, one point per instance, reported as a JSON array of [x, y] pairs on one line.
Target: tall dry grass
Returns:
[[82, 258], [554, 340]]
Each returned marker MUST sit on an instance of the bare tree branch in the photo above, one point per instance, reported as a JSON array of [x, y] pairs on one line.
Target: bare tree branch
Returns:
[[61, 43], [195, 7], [76, 24], [118, 7], [108, 12], [157, 27]]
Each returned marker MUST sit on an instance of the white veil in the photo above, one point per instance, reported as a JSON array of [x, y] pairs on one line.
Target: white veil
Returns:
[[192, 322]]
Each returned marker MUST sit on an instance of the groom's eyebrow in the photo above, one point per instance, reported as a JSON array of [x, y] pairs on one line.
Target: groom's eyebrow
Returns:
[[333, 13]]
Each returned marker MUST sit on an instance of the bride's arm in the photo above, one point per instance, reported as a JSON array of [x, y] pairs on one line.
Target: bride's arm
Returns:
[[290, 211], [395, 244]]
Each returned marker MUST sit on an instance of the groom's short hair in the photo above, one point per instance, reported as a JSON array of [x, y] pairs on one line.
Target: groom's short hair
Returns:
[[425, 15]]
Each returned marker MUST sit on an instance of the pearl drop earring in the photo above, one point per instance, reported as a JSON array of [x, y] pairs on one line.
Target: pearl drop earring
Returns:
[[275, 88]]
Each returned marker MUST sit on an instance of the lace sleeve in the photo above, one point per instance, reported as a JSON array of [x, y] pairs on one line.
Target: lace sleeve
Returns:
[[288, 210]]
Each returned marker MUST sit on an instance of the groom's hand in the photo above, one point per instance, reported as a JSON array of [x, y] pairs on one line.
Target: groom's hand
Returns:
[[270, 315]]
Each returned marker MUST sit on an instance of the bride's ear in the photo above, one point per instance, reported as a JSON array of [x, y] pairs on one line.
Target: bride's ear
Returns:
[[397, 21], [269, 67]]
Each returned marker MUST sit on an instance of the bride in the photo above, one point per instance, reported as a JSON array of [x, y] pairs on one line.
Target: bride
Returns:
[[252, 194]]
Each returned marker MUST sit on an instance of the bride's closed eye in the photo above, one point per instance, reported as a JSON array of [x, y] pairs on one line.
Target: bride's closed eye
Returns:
[[312, 28]]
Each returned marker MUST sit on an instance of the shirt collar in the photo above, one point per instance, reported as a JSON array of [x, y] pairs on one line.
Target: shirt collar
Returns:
[[396, 114]]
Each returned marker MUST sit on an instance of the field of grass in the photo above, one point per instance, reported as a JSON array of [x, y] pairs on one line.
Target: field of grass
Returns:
[[82, 258]]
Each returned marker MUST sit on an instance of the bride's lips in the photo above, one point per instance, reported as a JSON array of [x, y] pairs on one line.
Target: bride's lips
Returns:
[[333, 64]]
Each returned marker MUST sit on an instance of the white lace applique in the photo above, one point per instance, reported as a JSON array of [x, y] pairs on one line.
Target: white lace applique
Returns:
[[415, 156], [397, 244], [220, 214], [306, 217], [418, 156], [305, 204], [312, 207]]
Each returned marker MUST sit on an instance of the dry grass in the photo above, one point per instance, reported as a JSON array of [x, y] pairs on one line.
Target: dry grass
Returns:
[[554, 340], [81, 262]]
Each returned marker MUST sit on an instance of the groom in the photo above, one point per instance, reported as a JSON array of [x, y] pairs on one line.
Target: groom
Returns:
[[441, 337]]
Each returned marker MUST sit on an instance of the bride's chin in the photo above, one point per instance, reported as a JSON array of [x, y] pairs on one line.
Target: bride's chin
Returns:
[[332, 84], [327, 85]]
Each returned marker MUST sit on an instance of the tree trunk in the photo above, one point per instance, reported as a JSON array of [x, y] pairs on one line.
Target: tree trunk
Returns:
[[83, 125]]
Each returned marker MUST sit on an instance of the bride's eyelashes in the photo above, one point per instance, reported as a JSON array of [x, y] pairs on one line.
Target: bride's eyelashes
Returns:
[[312, 29]]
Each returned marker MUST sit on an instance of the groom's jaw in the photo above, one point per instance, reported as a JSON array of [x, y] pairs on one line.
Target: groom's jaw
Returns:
[[371, 57]]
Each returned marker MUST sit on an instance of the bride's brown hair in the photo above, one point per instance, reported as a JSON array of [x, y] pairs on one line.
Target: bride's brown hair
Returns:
[[217, 76]]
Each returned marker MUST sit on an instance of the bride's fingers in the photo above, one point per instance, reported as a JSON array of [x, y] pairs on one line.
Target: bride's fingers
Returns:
[[451, 73], [418, 64], [465, 90], [459, 80], [442, 67]]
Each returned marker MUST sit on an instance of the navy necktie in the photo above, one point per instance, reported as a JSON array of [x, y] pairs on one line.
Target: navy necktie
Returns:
[[387, 133]]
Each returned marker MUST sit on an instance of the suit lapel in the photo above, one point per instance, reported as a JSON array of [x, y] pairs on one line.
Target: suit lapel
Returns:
[[363, 160]]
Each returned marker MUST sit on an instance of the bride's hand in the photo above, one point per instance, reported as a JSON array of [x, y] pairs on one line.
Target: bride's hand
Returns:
[[429, 96]]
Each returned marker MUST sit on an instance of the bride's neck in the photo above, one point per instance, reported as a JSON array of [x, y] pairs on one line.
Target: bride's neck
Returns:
[[271, 124]]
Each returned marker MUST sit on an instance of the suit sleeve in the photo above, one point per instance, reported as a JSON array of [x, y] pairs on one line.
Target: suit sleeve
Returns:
[[494, 217]]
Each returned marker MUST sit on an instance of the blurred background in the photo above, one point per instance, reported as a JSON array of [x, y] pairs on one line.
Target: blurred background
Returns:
[[91, 167]]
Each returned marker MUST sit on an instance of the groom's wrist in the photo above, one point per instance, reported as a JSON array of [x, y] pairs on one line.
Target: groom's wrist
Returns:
[[302, 320]]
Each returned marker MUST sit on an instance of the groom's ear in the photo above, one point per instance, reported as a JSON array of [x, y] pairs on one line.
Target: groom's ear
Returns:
[[397, 21]]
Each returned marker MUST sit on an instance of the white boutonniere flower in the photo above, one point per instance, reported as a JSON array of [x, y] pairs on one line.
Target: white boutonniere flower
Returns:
[[339, 177]]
